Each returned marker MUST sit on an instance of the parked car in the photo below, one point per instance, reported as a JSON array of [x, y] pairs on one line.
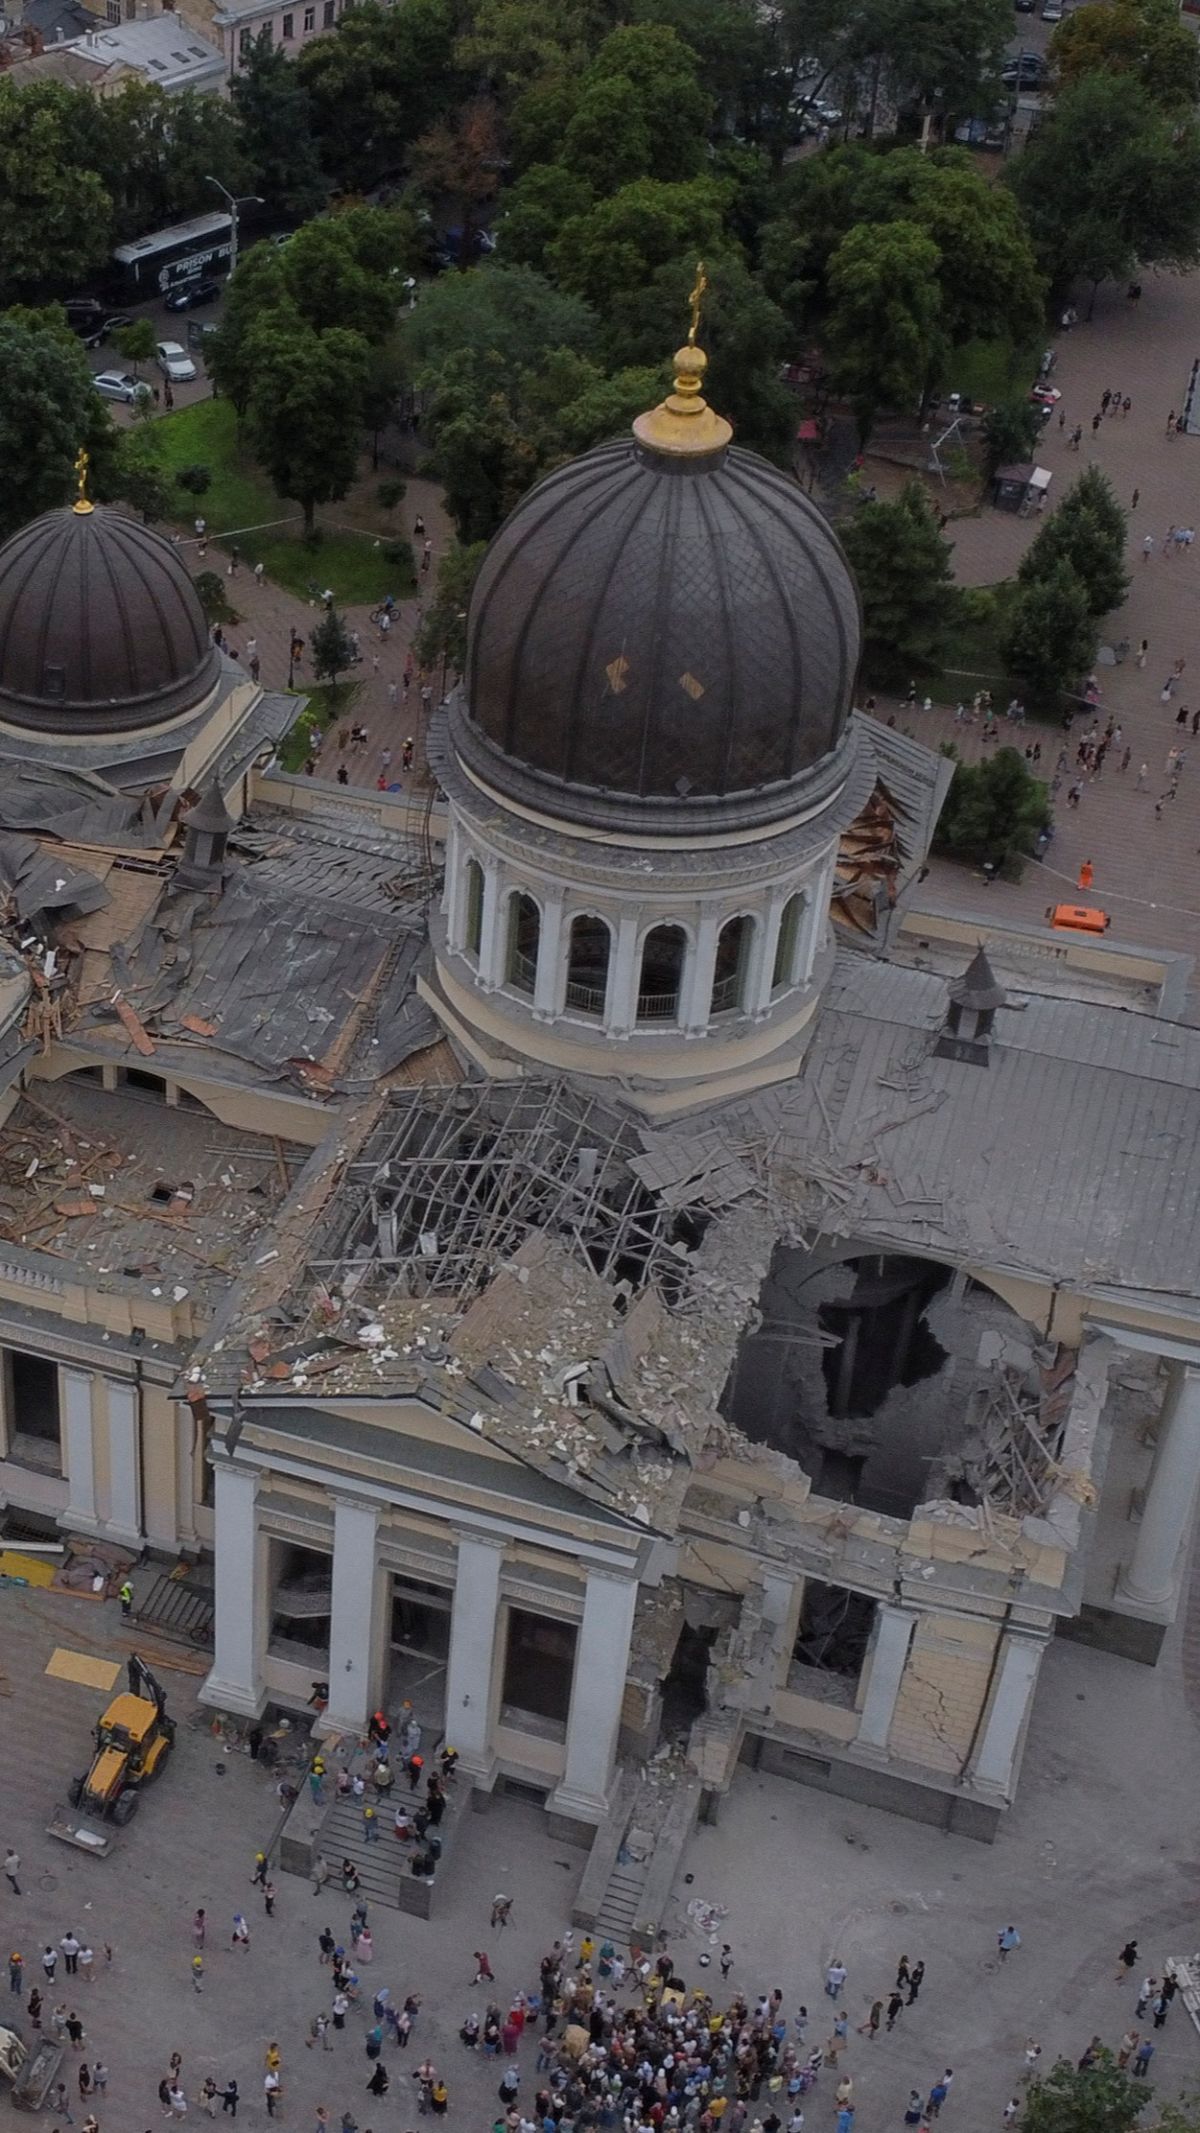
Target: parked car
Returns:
[[1025, 7], [175, 363], [190, 294], [200, 332], [92, 320], [1027, 71], [1052, 10], [119, 385]]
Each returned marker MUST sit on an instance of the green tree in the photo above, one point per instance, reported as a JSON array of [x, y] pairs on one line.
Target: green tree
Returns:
[[57, 221], [987, 275], [1087, 532], [153, 152], [535, 209], [272, 104], [256, 292], [619, 244], [1093, 2099], [443, 632], [136, 343], [904, 580], [348, 269], [480, 453], [379, 81], [1050, 637], [1142, 38], [1010, 431], [48, 410], [608, 142], [508, 312], [883, 337], [661, 70], [994, 811], [332, 648], [512, 44], [140, 479], [304, 418], [1108, 183]]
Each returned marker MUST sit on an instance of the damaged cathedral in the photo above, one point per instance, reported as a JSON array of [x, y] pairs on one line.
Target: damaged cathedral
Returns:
[[632, 1285]]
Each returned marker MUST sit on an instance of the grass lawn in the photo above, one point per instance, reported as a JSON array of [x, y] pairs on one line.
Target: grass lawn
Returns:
[[239, 497], [324, 704], [994, 370]]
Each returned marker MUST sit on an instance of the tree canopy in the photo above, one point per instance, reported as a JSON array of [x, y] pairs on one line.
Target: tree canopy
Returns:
[[48, 410], [903, 569], [994, 811], [1144, 39], [1109, 182]]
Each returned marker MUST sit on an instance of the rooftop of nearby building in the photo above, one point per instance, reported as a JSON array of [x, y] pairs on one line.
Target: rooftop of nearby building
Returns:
[[163, 47]]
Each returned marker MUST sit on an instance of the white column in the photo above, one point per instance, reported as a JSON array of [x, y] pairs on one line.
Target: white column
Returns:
[[351, 1629], [79, 1463], [620, 1008], [1170, 1498], [697, 998], [889, 1656], [597, 1691], [491, 944], [762, 963], [236, 1683], [472, 1651], [814, 920], [124, 1463], [453, 887], [1014, 1688], [546, 986]]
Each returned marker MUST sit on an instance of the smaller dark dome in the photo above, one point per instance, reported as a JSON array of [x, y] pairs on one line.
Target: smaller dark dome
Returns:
[[100, 627]]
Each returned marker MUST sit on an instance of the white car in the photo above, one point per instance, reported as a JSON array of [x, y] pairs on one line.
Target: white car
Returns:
[[118, 385], [175, 363]]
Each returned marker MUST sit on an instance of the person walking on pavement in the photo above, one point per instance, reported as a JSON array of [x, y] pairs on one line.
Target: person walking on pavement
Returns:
[[125, 1596], [835, 1978], [50, 1963], [12, 1867], [870, 2028], [895, 2008], [1129, 1953], [16, 1972], [229, 2099], [1142, 2056], [1007, 1940]]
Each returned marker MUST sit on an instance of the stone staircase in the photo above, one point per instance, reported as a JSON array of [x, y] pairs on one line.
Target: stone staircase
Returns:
[[635, 1857], [379, 1865]]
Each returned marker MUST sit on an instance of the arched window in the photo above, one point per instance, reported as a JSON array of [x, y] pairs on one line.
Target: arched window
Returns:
[[524, 932], [473, 919], [663, 952], [587, 964], [784, 972], [729, 971]]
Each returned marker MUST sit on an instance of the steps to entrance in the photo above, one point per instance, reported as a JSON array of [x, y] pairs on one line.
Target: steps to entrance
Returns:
[[636, 1853], [179, 1607]]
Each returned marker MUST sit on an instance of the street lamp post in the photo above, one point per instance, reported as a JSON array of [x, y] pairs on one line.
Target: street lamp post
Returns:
[[247, 200]]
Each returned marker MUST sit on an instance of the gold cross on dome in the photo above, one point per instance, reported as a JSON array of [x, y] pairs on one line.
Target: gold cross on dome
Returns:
[[82, 460], [695, 300]]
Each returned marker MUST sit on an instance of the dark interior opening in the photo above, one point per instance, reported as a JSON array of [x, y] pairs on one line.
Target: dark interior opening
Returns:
[[882, 1339], [683, 1696]]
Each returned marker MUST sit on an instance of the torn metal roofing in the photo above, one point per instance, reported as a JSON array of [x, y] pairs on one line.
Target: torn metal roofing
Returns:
[[1075, 1155]]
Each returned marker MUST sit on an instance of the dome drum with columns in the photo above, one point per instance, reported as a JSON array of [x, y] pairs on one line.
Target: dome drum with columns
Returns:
[[648, 766]]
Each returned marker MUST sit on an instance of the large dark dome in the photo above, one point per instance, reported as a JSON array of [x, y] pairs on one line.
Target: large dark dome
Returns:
[[100, 627], [665, 627]]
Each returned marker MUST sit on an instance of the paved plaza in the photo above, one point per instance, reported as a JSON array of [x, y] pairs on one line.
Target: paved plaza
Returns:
[[1145, 867], [1100, 1846]]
